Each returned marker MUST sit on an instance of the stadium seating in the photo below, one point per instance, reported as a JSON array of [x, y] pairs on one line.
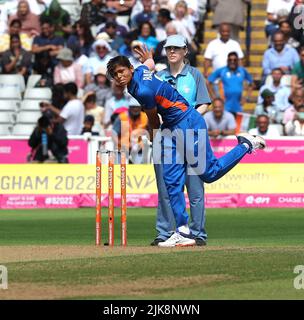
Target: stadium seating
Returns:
[[32, 80], [38, 93], [23, 129], [9, 105], [10, 93], [7, 117], [5, 130], [12, 80], [28, 117], [30, 105]]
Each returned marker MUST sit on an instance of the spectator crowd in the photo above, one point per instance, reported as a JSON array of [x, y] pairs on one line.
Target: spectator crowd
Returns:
[[69, 44]]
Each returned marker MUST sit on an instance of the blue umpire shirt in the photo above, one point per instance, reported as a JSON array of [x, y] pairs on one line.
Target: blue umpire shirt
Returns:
[[233, 85], [190, 83]]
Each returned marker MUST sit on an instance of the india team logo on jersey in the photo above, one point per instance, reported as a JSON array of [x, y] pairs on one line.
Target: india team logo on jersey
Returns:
[[147, 75]]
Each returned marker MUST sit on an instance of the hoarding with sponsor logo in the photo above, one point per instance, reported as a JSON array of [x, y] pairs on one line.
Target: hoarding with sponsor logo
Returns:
[[73, 185]]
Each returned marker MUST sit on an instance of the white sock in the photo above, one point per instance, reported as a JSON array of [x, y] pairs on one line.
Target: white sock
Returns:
[[184, 229]]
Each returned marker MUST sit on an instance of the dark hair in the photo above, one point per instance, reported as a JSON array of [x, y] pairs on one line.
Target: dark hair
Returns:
[[44, 122], [165, 13], [218, 99], [16, 21], [76, 49], [91, 98], [224, 24], [233, 53], [58, 99], [44, 20], [87, 34], [111, 23], [71, 87], [89, 118], [117, 61], [152, 30], [282, 22], [14, 37], [129, 37], [277, 69]]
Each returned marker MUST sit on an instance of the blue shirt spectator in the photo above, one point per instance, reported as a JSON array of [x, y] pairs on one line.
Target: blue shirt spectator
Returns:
[[147, 14], [233, 78], [279, 56], [47, 43], [147, 35]]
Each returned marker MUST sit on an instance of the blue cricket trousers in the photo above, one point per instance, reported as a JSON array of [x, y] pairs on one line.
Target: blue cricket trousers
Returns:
[[174, 172], [165, 222]]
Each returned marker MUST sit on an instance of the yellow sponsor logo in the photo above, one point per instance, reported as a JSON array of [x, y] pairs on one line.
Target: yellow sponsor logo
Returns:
[[77, 179]]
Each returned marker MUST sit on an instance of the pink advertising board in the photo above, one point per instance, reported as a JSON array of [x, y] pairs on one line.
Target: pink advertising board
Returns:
[[17, 150], [277, 151], [150, 200]]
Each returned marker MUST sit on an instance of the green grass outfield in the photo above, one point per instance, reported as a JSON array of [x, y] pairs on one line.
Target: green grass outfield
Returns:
[[251, 254]]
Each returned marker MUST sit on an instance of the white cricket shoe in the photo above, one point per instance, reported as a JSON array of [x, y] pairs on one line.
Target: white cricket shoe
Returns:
[[177, 240], [254, 142]]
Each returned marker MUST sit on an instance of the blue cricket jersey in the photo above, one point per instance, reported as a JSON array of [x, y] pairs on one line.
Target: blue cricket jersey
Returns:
[[150, 91], [233, 86]]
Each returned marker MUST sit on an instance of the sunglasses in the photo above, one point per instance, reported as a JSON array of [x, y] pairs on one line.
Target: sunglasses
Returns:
[[100, 47], [173, 48]]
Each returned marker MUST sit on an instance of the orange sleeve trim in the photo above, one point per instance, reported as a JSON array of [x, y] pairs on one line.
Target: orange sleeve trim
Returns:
[[169, 104]]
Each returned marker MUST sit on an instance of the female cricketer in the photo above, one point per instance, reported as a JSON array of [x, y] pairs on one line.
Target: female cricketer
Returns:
[[158, 97]]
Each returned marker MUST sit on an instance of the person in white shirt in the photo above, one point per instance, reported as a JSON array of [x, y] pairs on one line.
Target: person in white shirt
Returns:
[[263, 128], [295, 127], [275, 9], [217, 51], [281, 91], [192, 7], [101, 56], [181, 16], [72, 114]]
